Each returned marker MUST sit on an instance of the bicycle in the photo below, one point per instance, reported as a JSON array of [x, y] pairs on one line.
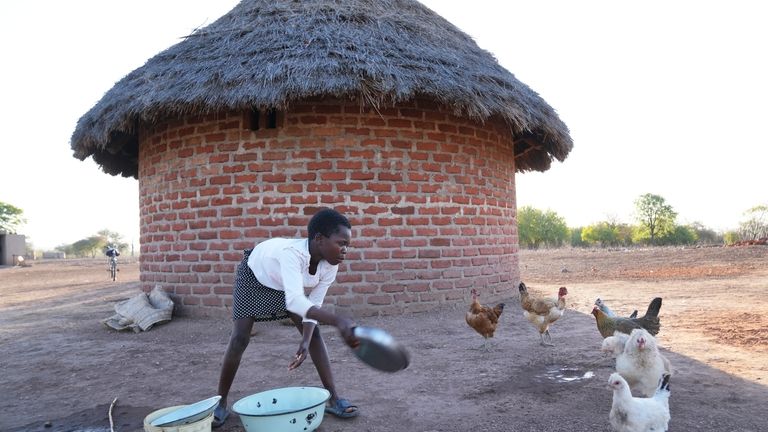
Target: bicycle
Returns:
[[113, 268]]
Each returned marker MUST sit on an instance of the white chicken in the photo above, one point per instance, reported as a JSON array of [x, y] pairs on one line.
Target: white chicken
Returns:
[[614, 345], [641, 364], [632, 414]]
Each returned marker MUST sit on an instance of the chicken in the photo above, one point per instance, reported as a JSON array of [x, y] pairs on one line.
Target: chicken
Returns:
[[615, 344], [633, 414], [641, 364], [604, 307], [650, 321], [483, 319], [542, 312]]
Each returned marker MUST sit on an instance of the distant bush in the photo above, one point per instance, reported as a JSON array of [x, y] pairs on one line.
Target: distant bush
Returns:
[[538, 228], [756, 227], [607, 234], [706, 235], [680, 235], [576, 240], [731, 237]]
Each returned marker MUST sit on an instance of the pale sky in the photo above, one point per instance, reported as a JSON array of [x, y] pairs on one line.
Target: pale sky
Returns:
[[662, 97]]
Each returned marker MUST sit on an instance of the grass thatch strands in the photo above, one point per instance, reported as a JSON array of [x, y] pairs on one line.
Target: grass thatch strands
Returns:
[[269, 53]]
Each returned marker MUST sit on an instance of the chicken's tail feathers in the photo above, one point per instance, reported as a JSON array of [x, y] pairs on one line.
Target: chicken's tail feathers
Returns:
[[650, 321], [653, 308], [664, 386], [634, 314], [651, 324], [522, 288]]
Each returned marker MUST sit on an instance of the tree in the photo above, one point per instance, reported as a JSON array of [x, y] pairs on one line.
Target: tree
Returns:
[[68, 249], [656, 217], [608, 233], [10, 218], [680, 235], [602, 233], [29, 248], [89, 246], [536, 228], [706, 235], [113, 238], [756, 227], [95, 244], [576, 237], [731, 237]]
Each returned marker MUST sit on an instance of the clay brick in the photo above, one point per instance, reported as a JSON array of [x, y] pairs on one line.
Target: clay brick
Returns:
[[379, 300], [430, 196]]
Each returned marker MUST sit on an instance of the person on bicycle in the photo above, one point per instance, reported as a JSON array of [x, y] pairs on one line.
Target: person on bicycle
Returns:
[[112, 252]]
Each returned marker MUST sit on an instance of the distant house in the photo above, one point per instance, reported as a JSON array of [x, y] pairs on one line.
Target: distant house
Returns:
[[13, 248], [54, 255], [383, 110]]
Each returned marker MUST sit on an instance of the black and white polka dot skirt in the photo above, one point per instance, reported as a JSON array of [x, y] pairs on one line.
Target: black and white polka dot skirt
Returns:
[[252, 299]]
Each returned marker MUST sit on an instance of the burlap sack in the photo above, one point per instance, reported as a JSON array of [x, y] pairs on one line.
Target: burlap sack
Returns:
[[142, 311]]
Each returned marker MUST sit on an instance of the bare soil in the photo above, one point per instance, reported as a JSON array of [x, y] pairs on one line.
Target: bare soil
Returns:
[[61, 368]]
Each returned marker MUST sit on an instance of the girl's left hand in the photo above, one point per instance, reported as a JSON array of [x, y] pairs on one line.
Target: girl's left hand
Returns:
[[301, 355]]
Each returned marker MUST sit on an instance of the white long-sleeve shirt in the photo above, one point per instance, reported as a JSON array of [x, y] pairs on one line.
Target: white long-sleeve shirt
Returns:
[[283, 264]]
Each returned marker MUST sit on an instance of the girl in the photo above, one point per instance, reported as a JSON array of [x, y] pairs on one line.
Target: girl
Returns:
[[269, 285]]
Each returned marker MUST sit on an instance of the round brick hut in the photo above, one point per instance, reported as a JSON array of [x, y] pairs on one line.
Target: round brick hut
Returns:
[[378, 108]]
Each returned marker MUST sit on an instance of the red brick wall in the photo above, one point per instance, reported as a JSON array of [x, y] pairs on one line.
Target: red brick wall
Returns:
[[431, 199]]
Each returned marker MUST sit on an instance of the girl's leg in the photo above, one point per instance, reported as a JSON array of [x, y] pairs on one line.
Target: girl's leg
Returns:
[[238, 342], [320, 358]]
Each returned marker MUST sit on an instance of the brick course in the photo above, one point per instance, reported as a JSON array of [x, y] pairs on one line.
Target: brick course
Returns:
[[431, 198]]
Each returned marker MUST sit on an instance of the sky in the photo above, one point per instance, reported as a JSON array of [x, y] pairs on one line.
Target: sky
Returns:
[[660, 97]]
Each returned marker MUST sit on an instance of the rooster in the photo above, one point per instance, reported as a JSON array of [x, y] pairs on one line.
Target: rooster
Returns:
[[604, 307], [633, 414], [483, 319], [542, 312], [650, 321], [641, 364]]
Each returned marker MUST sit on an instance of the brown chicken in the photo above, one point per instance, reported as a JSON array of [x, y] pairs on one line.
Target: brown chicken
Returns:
[[608, 324], [542, 312], [483, 318]]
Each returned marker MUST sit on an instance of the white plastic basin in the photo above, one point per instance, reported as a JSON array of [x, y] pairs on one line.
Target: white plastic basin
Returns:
[[285, 409]]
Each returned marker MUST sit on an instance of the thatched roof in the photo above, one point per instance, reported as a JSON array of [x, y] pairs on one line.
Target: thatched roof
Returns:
[[269, 53]]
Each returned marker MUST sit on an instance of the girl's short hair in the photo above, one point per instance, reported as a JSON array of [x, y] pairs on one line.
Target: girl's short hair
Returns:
[[326, 222]]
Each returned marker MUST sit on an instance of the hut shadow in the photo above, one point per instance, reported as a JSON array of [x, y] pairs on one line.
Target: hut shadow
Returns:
[[450, 385], [521, 385]]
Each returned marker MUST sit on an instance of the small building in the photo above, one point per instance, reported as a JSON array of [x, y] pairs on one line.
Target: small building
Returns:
[[13, 248], [54, 255], [383, 110]]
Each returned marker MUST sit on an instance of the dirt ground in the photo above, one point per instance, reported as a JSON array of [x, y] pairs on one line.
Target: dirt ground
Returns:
[[61, 368]]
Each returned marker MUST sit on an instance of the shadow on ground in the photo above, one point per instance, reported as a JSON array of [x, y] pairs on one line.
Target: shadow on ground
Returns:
[[63, 368]]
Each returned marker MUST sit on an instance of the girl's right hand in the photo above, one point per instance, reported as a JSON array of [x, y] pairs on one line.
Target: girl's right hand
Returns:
[[347, 329]]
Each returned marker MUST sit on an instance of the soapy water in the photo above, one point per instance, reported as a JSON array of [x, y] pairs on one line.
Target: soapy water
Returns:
[[564, 374]]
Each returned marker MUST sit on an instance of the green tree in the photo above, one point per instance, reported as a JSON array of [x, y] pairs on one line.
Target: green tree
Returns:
[[537, 228], [756, 227], [601, 233], [576, 237], [731, 237], [68, 249], [608, 233], [113, 238], [29, 248], [655, 216], [89, 246], [11, 218], [624, 233], [706, 235], [680, 235]]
